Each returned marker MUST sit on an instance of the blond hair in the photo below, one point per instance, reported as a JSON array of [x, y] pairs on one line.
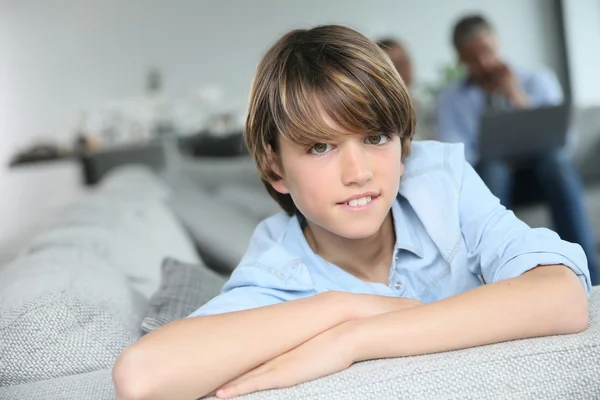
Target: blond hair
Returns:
[[331, 69]]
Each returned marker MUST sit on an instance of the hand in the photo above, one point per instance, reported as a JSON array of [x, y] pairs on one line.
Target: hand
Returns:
[[499, 78], [503, 80], [323, 355], [506, 81]]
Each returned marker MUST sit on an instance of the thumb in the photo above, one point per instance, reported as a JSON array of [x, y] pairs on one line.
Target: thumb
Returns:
[[254, 383]]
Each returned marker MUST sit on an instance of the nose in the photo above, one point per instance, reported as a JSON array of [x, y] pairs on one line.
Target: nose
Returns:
[[355, 166]]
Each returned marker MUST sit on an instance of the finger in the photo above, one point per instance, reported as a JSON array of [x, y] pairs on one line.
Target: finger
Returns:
[[263, 381]]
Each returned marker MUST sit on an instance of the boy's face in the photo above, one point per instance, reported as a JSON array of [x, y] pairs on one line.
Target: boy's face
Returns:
[[346, 188]]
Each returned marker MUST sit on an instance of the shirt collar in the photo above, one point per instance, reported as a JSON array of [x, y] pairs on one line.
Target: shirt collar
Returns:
[[406, 237]]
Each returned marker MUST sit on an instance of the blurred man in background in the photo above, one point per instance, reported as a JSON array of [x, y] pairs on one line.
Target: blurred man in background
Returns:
[[492, 84]]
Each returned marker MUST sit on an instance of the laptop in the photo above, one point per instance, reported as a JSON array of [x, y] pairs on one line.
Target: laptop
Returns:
[[522, 133]]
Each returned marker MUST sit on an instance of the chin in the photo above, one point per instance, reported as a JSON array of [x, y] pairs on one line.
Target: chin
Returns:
[[358, 229]]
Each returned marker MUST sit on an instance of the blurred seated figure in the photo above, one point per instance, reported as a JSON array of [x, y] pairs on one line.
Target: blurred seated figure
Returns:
[[400, 57], [491, 84]]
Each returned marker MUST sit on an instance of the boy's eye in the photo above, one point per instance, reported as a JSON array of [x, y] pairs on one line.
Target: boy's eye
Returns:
[[320, 148], [379, 138]]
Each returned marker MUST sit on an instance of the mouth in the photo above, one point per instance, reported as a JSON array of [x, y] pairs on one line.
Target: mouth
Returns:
[[359, 201]]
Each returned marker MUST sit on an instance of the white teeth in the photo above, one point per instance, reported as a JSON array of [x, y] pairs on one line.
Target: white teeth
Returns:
[[359, 202]]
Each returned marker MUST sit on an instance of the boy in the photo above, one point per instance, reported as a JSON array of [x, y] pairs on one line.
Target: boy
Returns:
[[384, 250]]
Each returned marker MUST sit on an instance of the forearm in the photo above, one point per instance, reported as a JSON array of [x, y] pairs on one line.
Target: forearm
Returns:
[[548, 300], [191, 357]]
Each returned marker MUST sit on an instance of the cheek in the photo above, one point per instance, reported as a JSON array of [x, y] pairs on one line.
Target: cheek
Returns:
[[310, 187], [395, 171], [392, 168], [400, 169]]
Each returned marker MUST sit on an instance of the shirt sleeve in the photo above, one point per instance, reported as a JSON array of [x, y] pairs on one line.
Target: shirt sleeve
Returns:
[[501, 246], [254, 285], [544, 89]]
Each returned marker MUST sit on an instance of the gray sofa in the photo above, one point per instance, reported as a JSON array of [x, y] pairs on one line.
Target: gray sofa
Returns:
[[75, 296]]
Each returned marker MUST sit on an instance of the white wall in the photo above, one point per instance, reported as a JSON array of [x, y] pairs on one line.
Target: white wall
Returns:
[[61, 56], [582, 31]]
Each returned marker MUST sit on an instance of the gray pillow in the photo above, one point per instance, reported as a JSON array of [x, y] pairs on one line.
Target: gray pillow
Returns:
[[183, 289], [221, 232]]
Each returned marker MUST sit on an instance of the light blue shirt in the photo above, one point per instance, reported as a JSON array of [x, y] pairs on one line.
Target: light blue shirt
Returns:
[[460, 106], [452, 234]]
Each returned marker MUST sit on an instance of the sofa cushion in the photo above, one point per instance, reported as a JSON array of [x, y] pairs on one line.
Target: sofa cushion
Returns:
[[63, 311], [135, 182], [97, 385], [72, 271], [133, 237], [57, 335], [220, 232], [254, 201], [183, 289], [136, 252]]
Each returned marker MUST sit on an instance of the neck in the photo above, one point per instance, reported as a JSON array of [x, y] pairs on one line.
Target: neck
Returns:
[[368, 258]]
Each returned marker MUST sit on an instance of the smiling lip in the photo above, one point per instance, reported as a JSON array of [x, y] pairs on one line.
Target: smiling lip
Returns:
[[372, 195], [353, 204]]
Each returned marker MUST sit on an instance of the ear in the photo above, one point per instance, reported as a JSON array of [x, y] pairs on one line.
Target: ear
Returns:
[[279, 185]]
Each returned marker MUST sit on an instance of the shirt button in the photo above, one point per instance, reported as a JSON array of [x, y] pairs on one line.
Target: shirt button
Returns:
[[398, 285]]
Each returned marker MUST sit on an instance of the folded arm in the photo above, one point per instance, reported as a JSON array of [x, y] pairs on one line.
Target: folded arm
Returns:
[[548, 300], [190, 358]]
